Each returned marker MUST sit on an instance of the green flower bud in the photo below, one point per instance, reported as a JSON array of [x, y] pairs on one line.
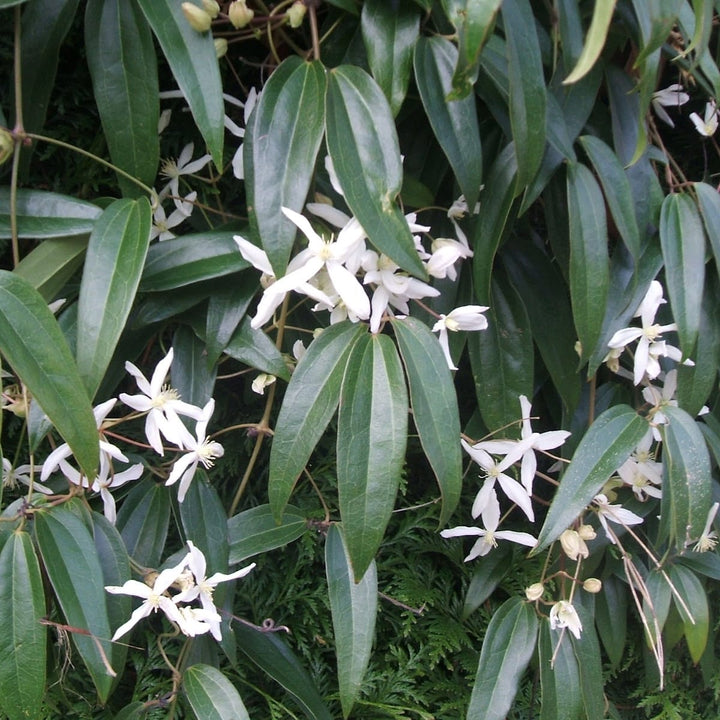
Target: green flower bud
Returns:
[[296, 14], [211, 8], [240, 14], [198, 19], [6, 145], [221, 46]]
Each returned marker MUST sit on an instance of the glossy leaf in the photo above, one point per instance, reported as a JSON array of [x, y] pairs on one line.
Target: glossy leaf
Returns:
[[604, 447], [274, 657], [371, 441], [211, 695], [286, 129], [709, 205], [254, 531], [589, 271], [611, 617], [697, 624], [354, 607], [507, 648], [686, 494], [309, 404], [434, 406], [113, 265], [42, 214], [389, 34], [190, 375], [189, 259], [193, 61], [487, 577], [33, 344], [589, 661], [527, 89], [683, 247], [559, 680], [454, 122], [363, 145], [226, 308], [594, 41], [205, 523], [254, 348], [73, 566], [23, 639]]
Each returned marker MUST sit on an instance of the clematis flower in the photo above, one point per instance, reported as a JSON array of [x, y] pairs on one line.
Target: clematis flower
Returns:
[[174, 169], [707, 125], [162, 224], [672, 96], [249, 105], [201, 450], [162, 405], [12, 476], [614, 513], [564, 615], [708, 539], [467, 317], [445, 253], [154, 598], [641, 471]]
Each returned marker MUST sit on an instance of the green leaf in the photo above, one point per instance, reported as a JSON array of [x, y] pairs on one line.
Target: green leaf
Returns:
[[52, 263], [190, 375], [559, 680], [434, 406], [709, 204], [389, 34], [285, 133], [205, 524], [11, 3], [371, 441], [507, 648], [683, 247], [616, 188], [189, 259], [43, 214], [589, 265], [113, 265], [604, 447], [363, 145], [594, 41], [309, 404], [23, 639], [211, 695], [226, 308], [527, 89], [686, 479], [589, 663], [254, 531], [454, 122], [254, 348], [33, 344], [143, 521], [611, 617], [193, 61], [694, 595], [273, 656], [354, 608], [73, 566], [487, 577]]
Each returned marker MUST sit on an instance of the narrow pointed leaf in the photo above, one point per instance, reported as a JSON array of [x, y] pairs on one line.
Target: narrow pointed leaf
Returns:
[[363, 144], [205, 524], [604, 447], [23, 639], [594, 40], [309, 404], [559, 681], [193, 61], [254, 348], [389, 34], [589, 265], [371, 441], [683, 247], [589, 663], [113, 265], [34, 346], [73, 566], [434, 406], [286, 129], [454, 122], [211, 695], [687, 484], [255, 531], [354, 608], [487, 577], [190, 374], [507, 648], [226, 308], [611, 616], [697, 624], [709, 204]]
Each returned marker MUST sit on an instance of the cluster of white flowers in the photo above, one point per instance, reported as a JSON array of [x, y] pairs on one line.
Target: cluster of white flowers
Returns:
[[163, 409], [189, 578], [674, 96]]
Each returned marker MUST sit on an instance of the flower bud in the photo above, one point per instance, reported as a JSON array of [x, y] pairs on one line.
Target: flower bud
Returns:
[[534, 592], [296, 14], [587, 532], [198, 19], [221, 46], [592, 585], [211, 8], [573, 545], [239, 13], [6, 145]]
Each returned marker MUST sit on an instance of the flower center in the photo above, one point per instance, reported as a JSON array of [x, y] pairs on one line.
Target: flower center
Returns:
[[167, 394], [208, 451]]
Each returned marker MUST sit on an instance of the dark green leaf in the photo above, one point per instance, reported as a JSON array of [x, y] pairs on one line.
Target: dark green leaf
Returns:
[[255, 531], [694, 595], [211, 695], [559, 676], [487, 577], [190, 374], [589, 663], [254, 348], [709, 205], [611, 617], [594, 41], [205, 524], [226, 308]]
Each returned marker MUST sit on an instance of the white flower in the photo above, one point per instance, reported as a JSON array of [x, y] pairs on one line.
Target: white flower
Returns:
[[154, 598], [564, 615], [614, 513], [261, 382], [162, 405], [709, 123], [672, 96], [174, 169], [445, 253], [467, 317], [12, 476], [162, 224], [201, 449], [249, 105], [708, 539], [197, 621], [641, 471]]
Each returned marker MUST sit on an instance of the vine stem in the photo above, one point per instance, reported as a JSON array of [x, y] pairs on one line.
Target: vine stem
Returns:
[[17, 78]]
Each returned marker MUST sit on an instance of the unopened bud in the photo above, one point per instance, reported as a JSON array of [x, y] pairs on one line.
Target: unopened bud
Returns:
[[587, 532], [296, 14], [240, 14], [592, 585], [198, 19], [573, 545], [6, 145], [211, 8], [534, 592], [221, 46]]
